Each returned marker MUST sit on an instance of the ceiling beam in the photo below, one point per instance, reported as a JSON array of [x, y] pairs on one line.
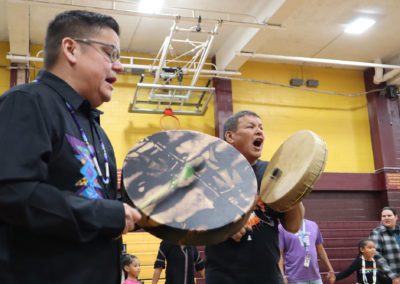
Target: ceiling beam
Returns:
[[18, 27], [274, 11], [121, 7]]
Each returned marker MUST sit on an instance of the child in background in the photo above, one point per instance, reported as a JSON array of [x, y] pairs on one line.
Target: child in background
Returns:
[[131, 267], [364, 265]]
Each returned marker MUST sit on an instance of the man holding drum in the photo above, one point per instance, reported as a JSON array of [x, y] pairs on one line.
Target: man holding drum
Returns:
[[252, 255], [60, 221]]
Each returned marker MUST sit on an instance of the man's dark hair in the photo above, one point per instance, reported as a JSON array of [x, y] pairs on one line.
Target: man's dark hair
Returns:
[[232, 122], [74, 24], [391, 209]]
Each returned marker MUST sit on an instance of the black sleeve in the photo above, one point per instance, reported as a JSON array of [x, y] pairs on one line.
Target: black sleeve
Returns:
[[26, 200], [126, 199], [161, 256], [356, 265]]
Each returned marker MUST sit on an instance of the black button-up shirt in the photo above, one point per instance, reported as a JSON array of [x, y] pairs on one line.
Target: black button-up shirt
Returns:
[[57, 218], [181, 263]]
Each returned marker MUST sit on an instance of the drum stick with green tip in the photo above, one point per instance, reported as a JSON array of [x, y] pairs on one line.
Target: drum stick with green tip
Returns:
[[186, 177]]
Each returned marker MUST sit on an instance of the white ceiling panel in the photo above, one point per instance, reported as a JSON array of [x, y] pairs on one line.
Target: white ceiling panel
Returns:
[[309, 28]]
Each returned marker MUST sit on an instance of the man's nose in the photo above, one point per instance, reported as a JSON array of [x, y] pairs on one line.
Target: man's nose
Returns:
[[117, 66]]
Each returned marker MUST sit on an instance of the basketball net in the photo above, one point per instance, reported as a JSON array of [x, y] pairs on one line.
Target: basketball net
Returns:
[[169, 121]]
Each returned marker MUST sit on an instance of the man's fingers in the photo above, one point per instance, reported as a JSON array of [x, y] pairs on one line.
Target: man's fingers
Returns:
[[131, 217], [135, 215]]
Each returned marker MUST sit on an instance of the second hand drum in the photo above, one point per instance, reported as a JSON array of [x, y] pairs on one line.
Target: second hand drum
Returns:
[[293, 170], [191, 188]]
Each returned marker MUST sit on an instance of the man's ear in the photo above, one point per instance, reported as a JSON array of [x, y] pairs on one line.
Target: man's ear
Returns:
[[68, 49], [229, 137]]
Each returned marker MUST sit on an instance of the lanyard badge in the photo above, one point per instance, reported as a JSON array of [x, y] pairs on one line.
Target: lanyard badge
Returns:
[[304, 239], [307, 259]]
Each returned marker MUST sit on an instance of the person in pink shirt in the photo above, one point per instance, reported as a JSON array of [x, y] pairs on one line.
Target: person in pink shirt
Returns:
[[131, 269]]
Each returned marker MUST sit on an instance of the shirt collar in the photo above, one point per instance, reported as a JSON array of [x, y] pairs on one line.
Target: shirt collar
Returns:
[[395, 230], [67, 93]]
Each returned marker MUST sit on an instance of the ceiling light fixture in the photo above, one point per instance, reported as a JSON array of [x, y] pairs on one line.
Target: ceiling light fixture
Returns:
[[359, 26], [150, 6]]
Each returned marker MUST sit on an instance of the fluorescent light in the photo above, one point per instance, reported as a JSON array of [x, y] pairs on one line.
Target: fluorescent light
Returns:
[[359, 26], [150, 6]]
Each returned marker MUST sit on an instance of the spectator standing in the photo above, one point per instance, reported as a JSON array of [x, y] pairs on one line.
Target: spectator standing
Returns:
[[387, 242], [299, 255], [364, 265], [131, 268]]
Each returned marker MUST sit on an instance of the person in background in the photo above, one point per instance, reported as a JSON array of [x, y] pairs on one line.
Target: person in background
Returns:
[[299, 255], [364, 265], [251, 255], [181, 262], [387, 242], [60, 220], [131, 268]]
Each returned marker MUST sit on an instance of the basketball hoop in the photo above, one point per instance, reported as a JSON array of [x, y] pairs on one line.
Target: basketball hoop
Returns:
[[168, 120]]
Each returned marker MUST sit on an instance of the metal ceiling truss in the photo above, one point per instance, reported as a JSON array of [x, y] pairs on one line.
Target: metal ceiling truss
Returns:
[[167, 71], [168, 68]]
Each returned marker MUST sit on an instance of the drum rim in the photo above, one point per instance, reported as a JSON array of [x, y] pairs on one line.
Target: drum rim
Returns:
[[306, 180]]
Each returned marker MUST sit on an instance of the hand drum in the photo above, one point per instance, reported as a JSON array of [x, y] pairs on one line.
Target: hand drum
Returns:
[[191, 188], [293, 170]]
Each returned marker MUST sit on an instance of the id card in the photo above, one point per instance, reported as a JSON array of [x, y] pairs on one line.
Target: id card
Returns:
[[307, 261]]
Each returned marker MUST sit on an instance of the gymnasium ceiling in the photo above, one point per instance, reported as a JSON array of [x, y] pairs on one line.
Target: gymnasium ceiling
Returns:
[[304, 28]]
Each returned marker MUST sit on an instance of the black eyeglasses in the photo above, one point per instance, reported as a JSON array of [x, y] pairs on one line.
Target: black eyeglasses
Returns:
[[112, 53]]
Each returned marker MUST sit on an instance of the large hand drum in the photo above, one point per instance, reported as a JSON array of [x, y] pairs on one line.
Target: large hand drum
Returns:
[[293, 170], [191, 188]]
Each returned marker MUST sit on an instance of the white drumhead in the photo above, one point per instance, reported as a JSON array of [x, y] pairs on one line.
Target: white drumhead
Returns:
[[293, 170]]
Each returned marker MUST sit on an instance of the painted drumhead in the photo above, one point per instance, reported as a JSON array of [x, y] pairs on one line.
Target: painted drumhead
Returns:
[[191, 188]]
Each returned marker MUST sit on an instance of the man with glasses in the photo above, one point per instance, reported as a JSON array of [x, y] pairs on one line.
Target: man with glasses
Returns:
[[60, 221], [110, 49]]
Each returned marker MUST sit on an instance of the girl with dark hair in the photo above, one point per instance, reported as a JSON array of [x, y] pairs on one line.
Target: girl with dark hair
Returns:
[[364, 265], [131, 268]]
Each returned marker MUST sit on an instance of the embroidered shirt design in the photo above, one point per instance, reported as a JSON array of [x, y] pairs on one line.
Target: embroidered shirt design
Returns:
[[88, 185]]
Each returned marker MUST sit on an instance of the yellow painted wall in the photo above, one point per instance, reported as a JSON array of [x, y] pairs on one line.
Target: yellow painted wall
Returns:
[[342, 121], [36, 50], [127, 129], [4, 71]]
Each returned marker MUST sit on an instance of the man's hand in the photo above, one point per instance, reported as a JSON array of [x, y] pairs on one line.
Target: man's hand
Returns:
[[239, 235], [131, 217], [396, 280]]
